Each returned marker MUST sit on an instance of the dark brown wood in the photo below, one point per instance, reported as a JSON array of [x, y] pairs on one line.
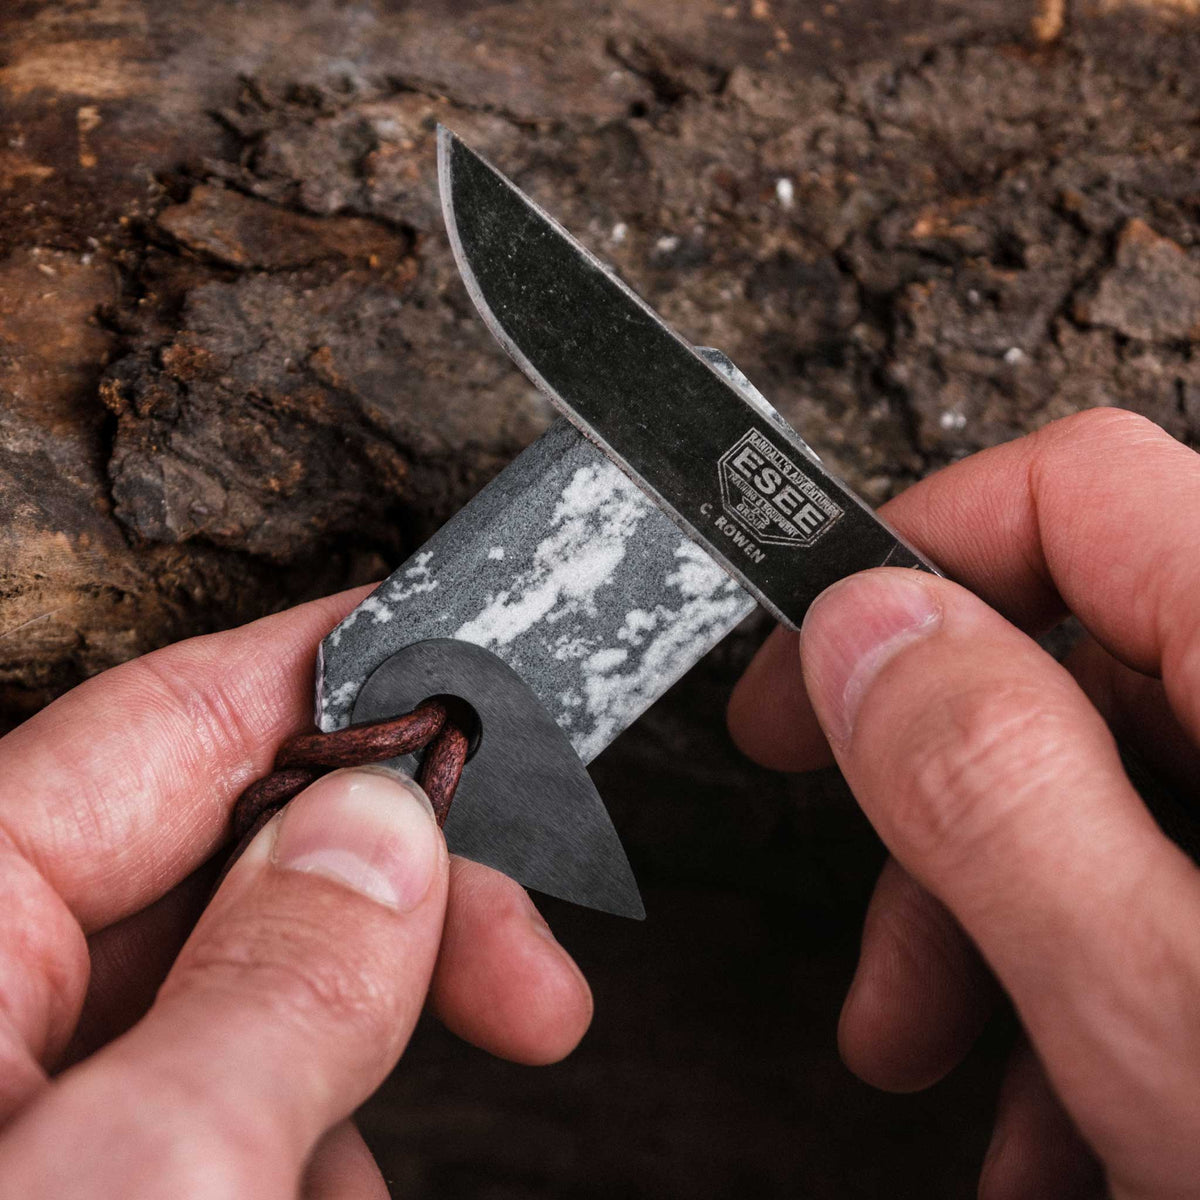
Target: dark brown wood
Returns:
[[236, 365]]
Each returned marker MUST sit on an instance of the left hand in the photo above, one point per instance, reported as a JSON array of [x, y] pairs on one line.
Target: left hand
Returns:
[[113, 800]]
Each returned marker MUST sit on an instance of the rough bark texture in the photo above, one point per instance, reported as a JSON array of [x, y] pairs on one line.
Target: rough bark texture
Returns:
[[237, 369]]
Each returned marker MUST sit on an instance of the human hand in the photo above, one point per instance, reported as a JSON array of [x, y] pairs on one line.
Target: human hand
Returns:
[[298, 989], [1021, 855]]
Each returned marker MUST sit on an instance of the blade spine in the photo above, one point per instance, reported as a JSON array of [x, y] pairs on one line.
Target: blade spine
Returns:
[[497, 330]]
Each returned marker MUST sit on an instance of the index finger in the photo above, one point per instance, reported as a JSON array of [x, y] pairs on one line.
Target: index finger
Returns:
[[122, 787], [1094, 514]]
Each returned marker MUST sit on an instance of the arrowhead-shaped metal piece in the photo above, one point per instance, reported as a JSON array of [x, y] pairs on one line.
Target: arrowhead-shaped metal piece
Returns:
[[525, 804]]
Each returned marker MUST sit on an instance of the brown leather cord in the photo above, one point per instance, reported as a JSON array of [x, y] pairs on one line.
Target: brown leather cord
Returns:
[[305, 757], [442, 768], [372, 741]]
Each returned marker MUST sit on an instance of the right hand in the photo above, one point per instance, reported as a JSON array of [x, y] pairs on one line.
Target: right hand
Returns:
[[1023, 861]]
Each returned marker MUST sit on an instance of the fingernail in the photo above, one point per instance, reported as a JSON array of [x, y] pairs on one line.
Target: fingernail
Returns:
[[852, 630], [370, 830]]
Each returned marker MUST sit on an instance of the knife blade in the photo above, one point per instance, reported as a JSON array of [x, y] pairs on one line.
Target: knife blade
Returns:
[[614, 552], [746, 488]]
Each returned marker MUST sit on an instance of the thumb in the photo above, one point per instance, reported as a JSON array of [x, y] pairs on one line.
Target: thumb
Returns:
[[291, 1001]]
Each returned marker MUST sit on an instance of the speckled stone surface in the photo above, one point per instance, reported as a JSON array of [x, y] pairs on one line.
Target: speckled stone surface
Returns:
[[567, 572]]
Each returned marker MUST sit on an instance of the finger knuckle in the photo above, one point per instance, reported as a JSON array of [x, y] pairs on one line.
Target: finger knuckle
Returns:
[[1057, 452], [196, 1150], [43, 955], [916, 927], [1112, 427], [972, 765], [182, 686], [185, 1138]]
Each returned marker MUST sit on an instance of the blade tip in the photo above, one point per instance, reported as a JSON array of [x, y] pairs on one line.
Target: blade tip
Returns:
[[630, 910], [628, 904]]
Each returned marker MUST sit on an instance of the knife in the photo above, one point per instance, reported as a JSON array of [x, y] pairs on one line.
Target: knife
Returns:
[[666, 503]]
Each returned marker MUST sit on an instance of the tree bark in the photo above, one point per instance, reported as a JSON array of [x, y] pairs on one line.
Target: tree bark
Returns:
[[237, 369]]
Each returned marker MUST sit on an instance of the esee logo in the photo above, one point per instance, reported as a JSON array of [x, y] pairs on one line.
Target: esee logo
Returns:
[[769, 496]]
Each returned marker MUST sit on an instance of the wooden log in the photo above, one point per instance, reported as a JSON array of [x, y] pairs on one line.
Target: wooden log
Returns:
[[237, 369]]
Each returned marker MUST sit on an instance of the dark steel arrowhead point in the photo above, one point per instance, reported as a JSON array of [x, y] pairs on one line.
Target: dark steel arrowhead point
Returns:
[[525, 804]]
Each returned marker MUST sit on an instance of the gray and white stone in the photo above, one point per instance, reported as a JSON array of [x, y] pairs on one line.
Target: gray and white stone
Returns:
[[568, 572]]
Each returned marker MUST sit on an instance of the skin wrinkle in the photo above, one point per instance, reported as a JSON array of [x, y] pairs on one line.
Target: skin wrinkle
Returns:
[[954, 749], [286, 1091], [921, 994], [229, 735], [1078, 905], [1030, 483], [942, 934], [999, 526], [1136, 1044], [21, 1075], [101, 813], [191, 1133], [221, 1045], [235, 707], [1184, 701], [1137, 709], [1034, 547], [351, 1015], [1068, 932], [1179, 642], [1109, 434], [348, 988], [1140, 644], [496, 914], [216, 729]]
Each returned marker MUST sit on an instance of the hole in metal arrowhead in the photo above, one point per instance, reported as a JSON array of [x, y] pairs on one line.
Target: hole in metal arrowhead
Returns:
[[462, 713]]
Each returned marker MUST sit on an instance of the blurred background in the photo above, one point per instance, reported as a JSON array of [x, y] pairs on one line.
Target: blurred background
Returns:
[[238, 369]]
